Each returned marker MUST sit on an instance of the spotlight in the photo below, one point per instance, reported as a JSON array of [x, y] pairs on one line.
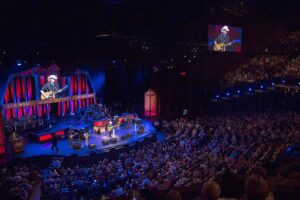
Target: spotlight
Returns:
[[261, 87], [227, 93], [283, 81], [273, 83], [238, 91], [217, 96], [250, 89], [114, 61], [298, 83], [19, 63]]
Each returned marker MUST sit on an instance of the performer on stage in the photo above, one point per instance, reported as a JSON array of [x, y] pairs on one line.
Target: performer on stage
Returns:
[[110, 128], [222, 40], [86, 137], [70, 136], [54, 143]]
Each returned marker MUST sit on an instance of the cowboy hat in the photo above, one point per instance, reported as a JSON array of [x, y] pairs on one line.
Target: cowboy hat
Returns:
[[225, 28], [52, 77]]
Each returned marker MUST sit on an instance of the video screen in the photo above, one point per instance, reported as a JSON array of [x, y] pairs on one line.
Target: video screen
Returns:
[[224, 38], [50, 87]]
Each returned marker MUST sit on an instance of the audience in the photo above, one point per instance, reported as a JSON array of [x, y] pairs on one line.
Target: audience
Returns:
[[193, 152], [257, 188], [199, 151], [281, 60], [173, 195], [210, 191], [18, 182]]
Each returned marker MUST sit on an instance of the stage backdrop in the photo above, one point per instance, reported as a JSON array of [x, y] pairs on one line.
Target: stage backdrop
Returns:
[[21, 95], [2, 136]]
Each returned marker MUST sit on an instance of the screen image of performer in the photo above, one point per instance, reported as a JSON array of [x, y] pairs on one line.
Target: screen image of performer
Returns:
[[51, 88], [222, 40]]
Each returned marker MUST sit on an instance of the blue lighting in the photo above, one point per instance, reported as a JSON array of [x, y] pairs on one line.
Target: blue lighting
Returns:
[[217, 96], [114, 61], [250, 89], [283, 81], [261, 87], [238, 91], [227, 93], [273, 83], [19, 64]]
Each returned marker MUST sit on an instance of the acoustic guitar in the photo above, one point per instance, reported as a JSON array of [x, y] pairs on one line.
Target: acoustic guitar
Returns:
[[51, 94], [222, 46]]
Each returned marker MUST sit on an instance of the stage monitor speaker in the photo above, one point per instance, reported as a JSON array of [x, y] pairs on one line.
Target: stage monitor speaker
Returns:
[[76, 146], [92, 146]]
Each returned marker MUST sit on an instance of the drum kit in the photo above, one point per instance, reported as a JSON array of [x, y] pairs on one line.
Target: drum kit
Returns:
[[91, 113]]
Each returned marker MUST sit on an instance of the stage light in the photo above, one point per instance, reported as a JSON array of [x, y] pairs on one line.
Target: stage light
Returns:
[[217, 96], [250, 89], [227, 93], [189, 61], [19, 63], [114, 61], [273, 83], [182, 73], [185, 56], [283, 81], [261, 87], [238, 91], [298, 83]]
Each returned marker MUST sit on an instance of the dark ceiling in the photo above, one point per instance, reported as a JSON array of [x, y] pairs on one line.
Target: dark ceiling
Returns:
[[87, 30]]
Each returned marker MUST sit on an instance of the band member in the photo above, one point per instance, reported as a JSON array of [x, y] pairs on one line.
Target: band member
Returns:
[[110, 128], [41, 123], [86, 137], [70, 136], [222, 39], [50, 86]]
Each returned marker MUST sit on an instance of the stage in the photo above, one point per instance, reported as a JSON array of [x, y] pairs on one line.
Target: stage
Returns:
[[65, 149], [31, 116]]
